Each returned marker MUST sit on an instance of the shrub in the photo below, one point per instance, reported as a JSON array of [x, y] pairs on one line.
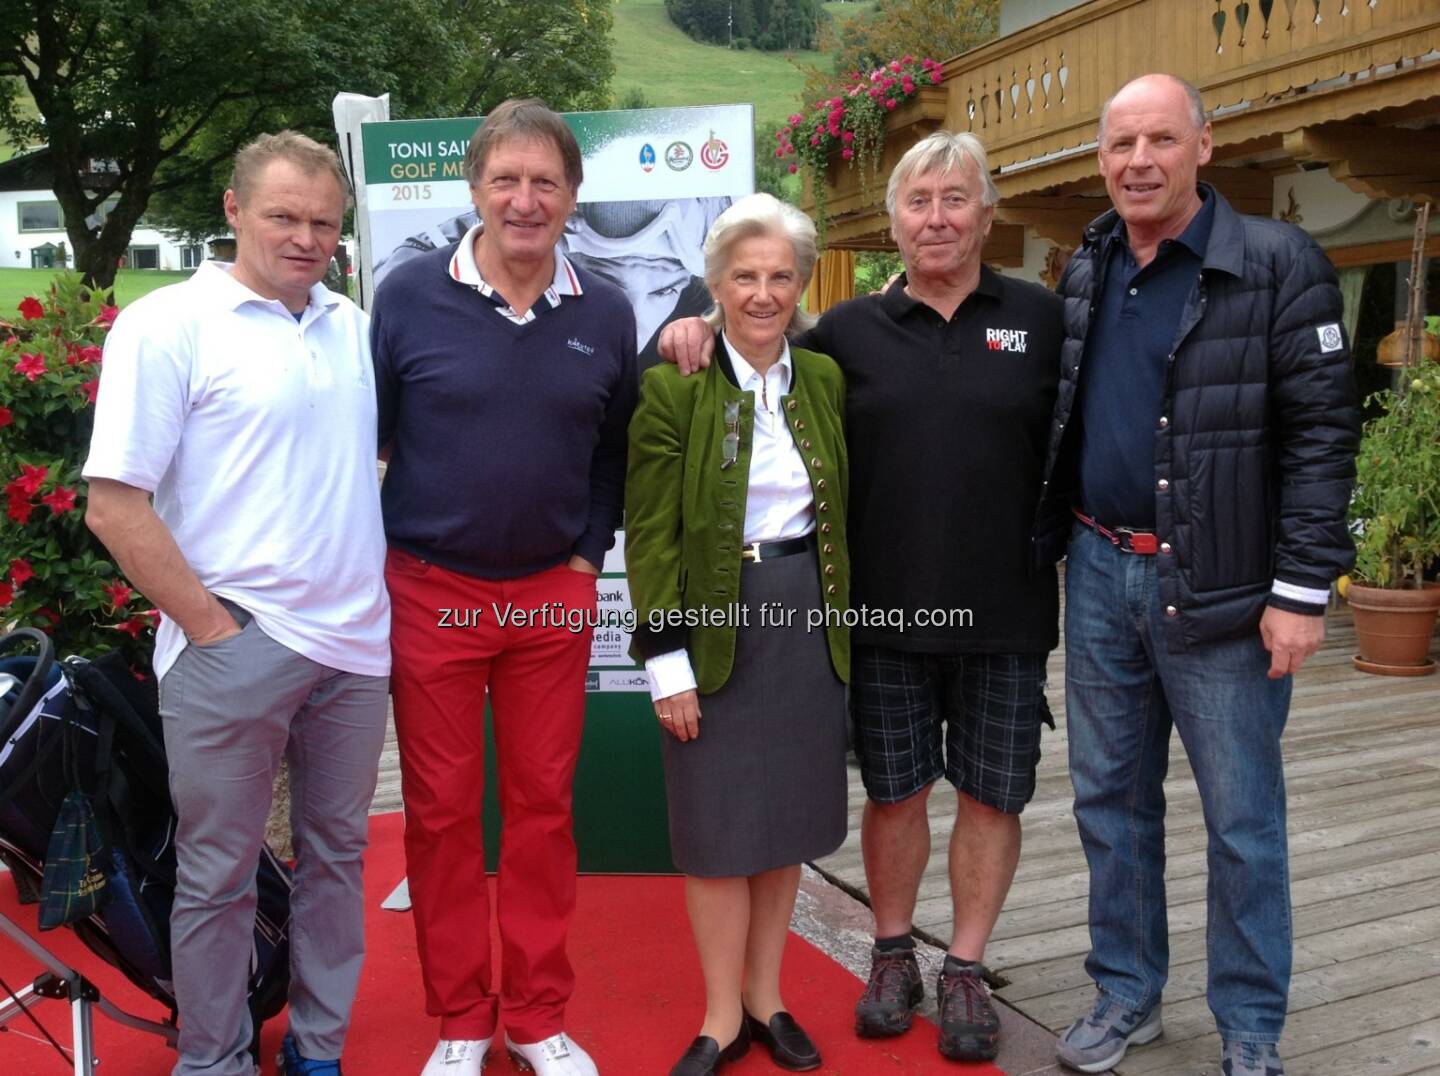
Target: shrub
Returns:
[[54, 575]]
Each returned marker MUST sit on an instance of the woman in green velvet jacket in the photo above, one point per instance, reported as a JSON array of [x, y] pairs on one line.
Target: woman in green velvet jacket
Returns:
[[735, 550]]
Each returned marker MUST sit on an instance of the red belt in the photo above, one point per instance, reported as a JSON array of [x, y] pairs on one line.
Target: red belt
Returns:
[[1126, 539]]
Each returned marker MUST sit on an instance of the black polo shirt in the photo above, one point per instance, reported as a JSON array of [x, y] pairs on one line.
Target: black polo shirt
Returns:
[[1126, 368], [946, 425]]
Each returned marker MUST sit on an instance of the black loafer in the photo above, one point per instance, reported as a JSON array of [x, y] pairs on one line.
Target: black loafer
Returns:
[[789, 1046], [705, 1057]]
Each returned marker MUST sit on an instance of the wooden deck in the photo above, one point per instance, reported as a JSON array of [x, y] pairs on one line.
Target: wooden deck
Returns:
[[1363, 773]]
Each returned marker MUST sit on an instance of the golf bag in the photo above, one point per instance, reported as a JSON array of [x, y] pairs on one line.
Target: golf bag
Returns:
[[92, 727]]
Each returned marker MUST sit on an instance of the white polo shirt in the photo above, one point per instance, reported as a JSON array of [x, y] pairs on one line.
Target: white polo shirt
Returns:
[[256, 435]]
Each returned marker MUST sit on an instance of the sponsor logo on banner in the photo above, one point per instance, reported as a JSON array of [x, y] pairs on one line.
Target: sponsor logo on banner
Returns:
[[679, 156], [1006, 340], [714, 153], [592, 680], [647, 157], [1330, 338], [639, 680]]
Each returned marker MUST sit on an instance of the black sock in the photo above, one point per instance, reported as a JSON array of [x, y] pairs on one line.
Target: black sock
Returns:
[[954, 965], [895, 944]]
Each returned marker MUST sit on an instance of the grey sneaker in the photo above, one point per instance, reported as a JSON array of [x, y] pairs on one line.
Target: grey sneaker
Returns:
[[1250, 1059], [1097, 1042]]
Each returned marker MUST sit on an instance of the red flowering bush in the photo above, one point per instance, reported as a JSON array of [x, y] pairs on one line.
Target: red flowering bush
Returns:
[[54, 575], [852, 123]]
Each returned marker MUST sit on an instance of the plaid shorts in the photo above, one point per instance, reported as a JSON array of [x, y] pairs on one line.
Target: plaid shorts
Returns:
[[975, 718]]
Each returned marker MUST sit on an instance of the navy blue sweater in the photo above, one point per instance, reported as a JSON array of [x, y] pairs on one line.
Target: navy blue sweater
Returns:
[[507, 441]]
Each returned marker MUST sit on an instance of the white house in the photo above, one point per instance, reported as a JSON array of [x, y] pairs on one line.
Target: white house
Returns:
[[32, 228]]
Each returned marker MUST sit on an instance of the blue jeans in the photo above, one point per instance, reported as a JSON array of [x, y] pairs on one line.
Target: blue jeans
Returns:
[[1124, 689]]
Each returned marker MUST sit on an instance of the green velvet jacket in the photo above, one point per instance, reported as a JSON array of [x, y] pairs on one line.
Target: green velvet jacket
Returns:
[[685, 515]]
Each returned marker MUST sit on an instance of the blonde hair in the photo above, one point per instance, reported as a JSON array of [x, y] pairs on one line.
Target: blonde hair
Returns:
[[300, 150]]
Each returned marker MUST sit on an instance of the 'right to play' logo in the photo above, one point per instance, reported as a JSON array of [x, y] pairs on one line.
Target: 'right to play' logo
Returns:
[[1006, 340]]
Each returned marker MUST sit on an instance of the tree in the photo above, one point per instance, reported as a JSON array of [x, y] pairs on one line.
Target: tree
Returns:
[[893, 28], [143, 97], [772, 25]]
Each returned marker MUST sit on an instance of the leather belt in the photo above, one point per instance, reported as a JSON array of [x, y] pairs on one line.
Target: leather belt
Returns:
[[756, 552], [1126, 539]]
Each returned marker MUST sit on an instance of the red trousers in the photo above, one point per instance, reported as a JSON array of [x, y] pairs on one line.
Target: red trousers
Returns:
[[449, 649]]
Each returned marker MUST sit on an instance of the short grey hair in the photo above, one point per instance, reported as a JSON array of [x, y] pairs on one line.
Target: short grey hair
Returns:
[[941, 152], [302, 151], [1192, 95], [760, 215]]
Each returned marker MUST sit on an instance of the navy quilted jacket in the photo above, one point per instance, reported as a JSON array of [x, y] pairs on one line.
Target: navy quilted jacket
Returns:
[[1255, 445]]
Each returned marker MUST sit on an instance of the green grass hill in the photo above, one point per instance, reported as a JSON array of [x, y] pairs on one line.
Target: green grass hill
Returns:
[[669, 68]]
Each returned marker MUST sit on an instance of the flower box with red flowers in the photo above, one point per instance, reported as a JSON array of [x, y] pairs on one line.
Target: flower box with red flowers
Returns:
[[849, 127]]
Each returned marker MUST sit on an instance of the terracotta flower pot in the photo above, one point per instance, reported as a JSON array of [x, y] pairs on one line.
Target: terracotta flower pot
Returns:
[[1394, 628]]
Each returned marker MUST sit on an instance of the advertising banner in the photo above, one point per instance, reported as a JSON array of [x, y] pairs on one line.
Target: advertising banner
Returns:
[[655, 180]]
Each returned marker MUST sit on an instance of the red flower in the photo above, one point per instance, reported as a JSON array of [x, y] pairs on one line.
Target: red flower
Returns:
[[49, 614], [20, 508], [32, 366], [935, 74], [907, 59], [847, 153], [848, 137], [890, 102], [797, 118], [7, 594], [91, 389], [6, 417], [20, 571], [106, 317], [83, 353], [794, 168], [60, 500], [815, 140], [153, 615], [30, 480], [30, 308], [132, 627], [119, 593]]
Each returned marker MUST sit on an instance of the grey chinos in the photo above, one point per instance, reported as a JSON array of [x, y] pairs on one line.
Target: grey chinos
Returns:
[[231, 710]]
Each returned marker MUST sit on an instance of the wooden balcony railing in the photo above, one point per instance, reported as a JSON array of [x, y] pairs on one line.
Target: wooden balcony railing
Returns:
[[1264, 67]]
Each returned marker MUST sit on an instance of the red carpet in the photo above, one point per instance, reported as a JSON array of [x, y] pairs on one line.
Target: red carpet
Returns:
[[638, 1004]]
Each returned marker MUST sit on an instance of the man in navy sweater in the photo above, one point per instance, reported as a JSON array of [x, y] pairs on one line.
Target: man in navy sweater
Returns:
[[506, 378]]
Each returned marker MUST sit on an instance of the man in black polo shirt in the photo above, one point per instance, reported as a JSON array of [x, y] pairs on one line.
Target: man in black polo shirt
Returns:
[[950, 380], [1204, 439]]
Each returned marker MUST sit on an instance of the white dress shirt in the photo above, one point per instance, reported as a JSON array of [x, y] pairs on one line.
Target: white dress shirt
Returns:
[[779, 504]]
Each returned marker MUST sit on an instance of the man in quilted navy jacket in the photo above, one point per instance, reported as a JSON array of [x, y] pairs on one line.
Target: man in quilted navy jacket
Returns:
[[1200, 469]]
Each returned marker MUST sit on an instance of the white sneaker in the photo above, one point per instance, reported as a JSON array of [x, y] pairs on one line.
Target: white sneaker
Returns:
[[559, 1055], [458, 1057]]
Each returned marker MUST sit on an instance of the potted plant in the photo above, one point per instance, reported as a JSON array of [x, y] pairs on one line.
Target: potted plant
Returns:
[[1396, 515]]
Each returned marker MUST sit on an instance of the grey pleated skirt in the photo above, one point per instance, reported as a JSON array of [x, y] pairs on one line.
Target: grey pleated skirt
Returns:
[[764, 784]]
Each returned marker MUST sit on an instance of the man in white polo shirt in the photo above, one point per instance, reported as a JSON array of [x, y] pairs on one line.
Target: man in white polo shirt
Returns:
[[243, 400]]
